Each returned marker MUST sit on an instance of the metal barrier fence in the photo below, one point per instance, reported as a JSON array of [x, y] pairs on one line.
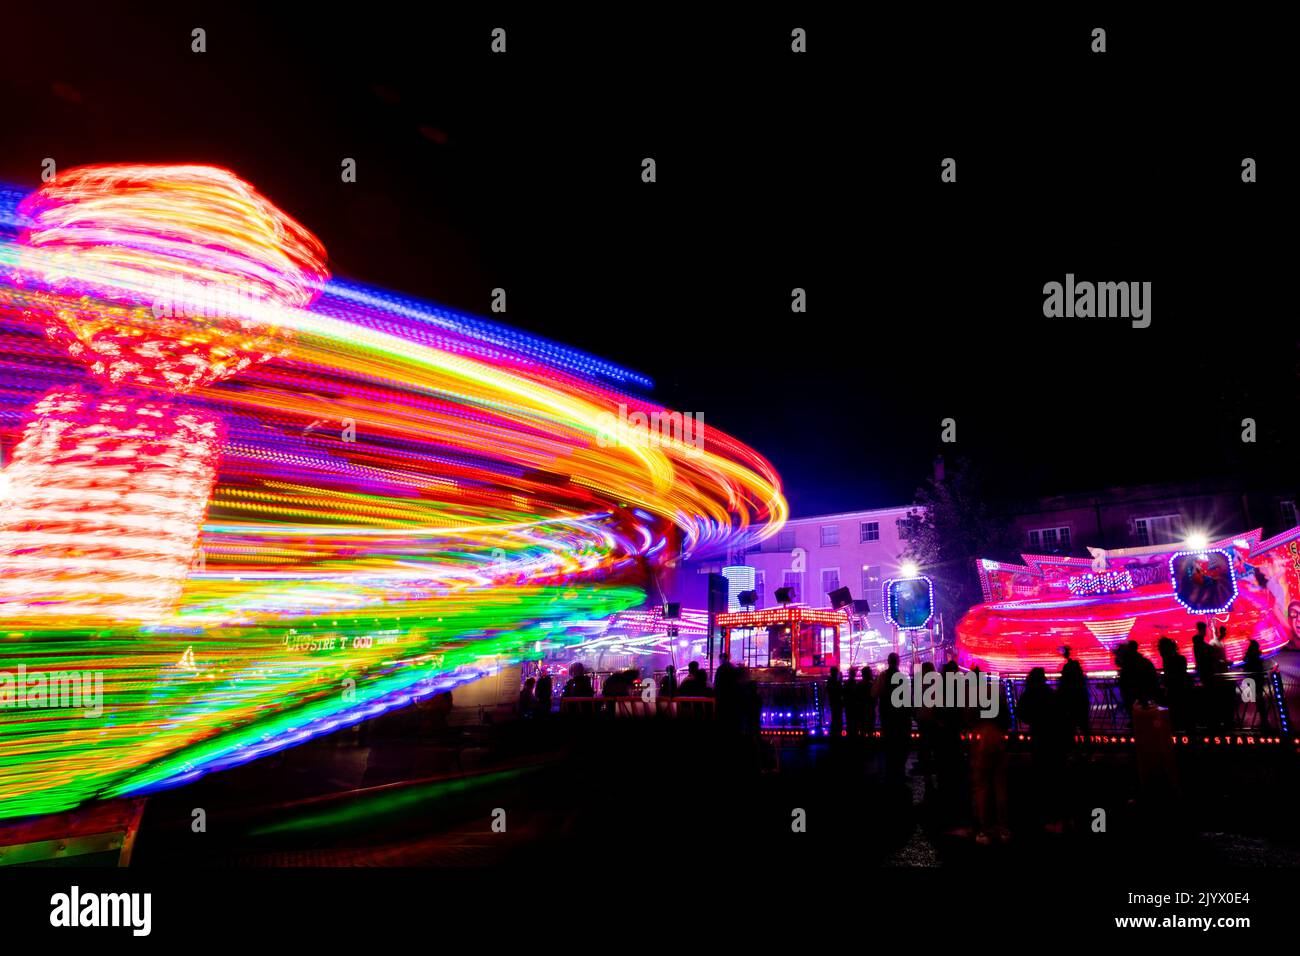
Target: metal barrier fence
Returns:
[[1231, 709], [801, 708], [794, 708], [639, 707]]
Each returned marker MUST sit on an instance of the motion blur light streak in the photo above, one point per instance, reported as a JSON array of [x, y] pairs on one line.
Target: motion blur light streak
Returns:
[[398, 498]]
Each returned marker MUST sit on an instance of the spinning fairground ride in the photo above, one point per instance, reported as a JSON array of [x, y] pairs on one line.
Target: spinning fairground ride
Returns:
[[245, 503]]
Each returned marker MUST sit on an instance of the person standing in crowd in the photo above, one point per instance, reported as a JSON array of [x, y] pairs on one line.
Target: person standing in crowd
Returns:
[[835, 701], [1225, 691], [696, 683], [989, 775], [725, 683], [1072, 687], [895, 721], [952, 778], [1123, 679], [1252, 666], [1177, 684], [1040, 707], [1203, 659], [579, 682], [927, 720], [612, 686], [1202, 656], [668, 687], [868, 719], [527, 700], [1146, 680], [852, 707], [544, 695]]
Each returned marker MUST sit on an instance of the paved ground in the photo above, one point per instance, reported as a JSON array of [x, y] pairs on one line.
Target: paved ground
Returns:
[[638, 793]]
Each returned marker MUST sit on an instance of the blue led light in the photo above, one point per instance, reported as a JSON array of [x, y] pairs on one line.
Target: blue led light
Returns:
[[1105, 582], [891, 603], [1232, 576]]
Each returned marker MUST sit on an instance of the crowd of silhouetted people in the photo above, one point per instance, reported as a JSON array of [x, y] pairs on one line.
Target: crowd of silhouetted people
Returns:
[[1206, 695], [734, 694], [971, 780], [961, 749]]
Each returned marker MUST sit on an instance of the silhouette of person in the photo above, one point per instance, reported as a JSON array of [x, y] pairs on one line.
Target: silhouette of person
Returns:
[[1225, 696], [668, 686], [725, 681], [1177, 684], [1252, 665], [989, 775], [895, 721], [1146, 680], [544, 690], [1073, 690], [1202, 656], [927, 720], [695, 683], [1040, 707], [867, 720], [527, 700], [835, 700], [615, 685], [579, 682], [852, 703]]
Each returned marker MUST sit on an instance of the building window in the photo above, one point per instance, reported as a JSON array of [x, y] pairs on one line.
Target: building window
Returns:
[[760, 585], [869, 531], [1288, 514], [790, 579], [830, 580], [830, 535], [1049, 539], [871, 583], [1160, 529], [785, 541]]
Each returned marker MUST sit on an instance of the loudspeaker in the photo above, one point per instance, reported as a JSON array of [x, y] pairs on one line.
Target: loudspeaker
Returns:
[[840, 597], [782, 595], [747, 598], [861, 607], [672, 611]]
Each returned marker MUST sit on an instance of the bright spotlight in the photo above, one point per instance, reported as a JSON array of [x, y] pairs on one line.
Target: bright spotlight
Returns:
[[909, 569], [1197, 541]]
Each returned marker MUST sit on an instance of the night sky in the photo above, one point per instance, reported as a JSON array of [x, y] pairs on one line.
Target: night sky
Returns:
[[775, 171]]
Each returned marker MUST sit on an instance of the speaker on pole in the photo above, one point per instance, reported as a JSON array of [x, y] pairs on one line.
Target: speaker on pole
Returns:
[[840, 597]]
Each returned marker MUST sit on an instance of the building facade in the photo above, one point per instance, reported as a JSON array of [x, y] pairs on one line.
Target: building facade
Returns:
[[1148, 514], [814, 556]]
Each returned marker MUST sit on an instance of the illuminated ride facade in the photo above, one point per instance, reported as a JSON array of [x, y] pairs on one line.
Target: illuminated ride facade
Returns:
[[788, 641], [1031, 611], [248, 504]]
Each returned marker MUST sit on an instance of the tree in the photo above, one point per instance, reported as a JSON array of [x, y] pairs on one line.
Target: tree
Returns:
[[948, 528]]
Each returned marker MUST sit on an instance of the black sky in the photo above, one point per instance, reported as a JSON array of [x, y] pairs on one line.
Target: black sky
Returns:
[[775, 171]]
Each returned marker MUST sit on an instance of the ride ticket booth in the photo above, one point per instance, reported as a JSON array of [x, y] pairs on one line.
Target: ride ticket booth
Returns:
[[790, 639]]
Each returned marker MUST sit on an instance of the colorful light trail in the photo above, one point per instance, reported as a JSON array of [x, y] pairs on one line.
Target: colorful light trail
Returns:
[[398, 498]]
